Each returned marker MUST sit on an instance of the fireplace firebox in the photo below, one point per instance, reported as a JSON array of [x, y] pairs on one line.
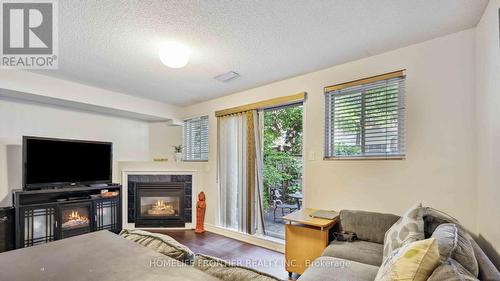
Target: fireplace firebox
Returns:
[[159, 205], [75, 219]]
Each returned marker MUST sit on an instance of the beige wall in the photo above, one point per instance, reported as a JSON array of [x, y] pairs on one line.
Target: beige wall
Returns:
[[440, 167], [488, 130]]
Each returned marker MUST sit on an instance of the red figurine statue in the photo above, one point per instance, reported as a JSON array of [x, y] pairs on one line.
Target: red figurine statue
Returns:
[[200, 213]]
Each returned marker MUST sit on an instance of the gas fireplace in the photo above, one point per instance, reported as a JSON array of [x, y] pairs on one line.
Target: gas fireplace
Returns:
[[159, 205]]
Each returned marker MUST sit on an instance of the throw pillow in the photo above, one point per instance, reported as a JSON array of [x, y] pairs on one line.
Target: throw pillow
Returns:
[[454, 243], [409, 228], [451, 270], [228, 272], [413, 262], [161, 243]]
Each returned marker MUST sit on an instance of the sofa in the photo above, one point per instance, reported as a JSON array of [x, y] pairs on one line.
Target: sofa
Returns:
[[361, 259]]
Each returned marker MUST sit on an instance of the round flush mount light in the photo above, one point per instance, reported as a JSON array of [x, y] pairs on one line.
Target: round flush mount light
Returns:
[[174, 54]]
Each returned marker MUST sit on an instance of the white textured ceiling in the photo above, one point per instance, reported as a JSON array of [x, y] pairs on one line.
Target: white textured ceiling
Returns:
[[113, 44]]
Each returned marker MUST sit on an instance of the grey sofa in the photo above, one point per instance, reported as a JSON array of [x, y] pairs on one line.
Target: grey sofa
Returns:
[[361, 259]]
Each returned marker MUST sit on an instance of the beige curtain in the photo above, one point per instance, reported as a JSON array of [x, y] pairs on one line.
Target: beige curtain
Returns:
[[232, 171], [240, 171], [258, 120], [251, 179]]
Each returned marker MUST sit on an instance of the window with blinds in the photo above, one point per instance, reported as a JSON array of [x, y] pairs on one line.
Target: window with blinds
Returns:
[[366, 118], [195, 139]]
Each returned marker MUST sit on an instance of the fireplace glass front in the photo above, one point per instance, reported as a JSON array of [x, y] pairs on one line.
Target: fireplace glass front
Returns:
[[156, 206], [159, 205], [75, 219]]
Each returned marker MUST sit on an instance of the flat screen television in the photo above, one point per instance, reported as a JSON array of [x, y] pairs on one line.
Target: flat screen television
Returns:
[[49, 162]]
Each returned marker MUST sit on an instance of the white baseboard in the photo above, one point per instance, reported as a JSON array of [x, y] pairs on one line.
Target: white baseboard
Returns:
[[258, 240]]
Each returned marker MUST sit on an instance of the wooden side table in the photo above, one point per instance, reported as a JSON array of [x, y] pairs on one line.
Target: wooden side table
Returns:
[[305, 239]]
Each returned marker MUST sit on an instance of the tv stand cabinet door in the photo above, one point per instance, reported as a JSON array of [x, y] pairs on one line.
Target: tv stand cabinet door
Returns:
[[107, 214], [38, 225]]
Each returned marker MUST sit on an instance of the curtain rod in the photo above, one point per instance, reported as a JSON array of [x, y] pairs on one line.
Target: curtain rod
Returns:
[[395, 74], [263, 104]]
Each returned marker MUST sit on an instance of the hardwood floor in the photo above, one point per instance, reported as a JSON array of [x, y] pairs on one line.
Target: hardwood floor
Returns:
[[235, 251]]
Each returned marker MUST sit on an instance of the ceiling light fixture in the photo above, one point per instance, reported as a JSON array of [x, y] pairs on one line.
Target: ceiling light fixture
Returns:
[[174, 54]]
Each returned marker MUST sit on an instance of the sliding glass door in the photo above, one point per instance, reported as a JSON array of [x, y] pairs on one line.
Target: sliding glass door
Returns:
[[260, 168], [282, 166]]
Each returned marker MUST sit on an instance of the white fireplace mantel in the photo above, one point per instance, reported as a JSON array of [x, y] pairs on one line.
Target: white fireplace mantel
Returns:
[[149, 171]]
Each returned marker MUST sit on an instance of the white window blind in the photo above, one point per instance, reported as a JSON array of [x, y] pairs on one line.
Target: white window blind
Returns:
[[366, 121], [195, 143]]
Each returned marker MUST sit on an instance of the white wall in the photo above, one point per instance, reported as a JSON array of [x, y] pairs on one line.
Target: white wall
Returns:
[[488, 130], [162, 138], [130, 137], [37, 87], [440, 167]]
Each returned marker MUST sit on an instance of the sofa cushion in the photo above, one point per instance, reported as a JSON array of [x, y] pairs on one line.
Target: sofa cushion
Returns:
[[433, 218], [359, 251], [335, 269], [161, 243], [409, 228], [451, 270], [228, 272], [454, 243], [368, 226], [487, 270], [414, 261]]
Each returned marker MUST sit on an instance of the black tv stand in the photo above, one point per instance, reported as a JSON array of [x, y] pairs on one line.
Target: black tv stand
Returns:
[[77, 198], [66, 187], [51, 214]]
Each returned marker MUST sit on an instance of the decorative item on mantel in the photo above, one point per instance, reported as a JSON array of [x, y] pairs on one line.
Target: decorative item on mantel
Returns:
[[200, 213], [178, 153], [107, 194], [160, 159]]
